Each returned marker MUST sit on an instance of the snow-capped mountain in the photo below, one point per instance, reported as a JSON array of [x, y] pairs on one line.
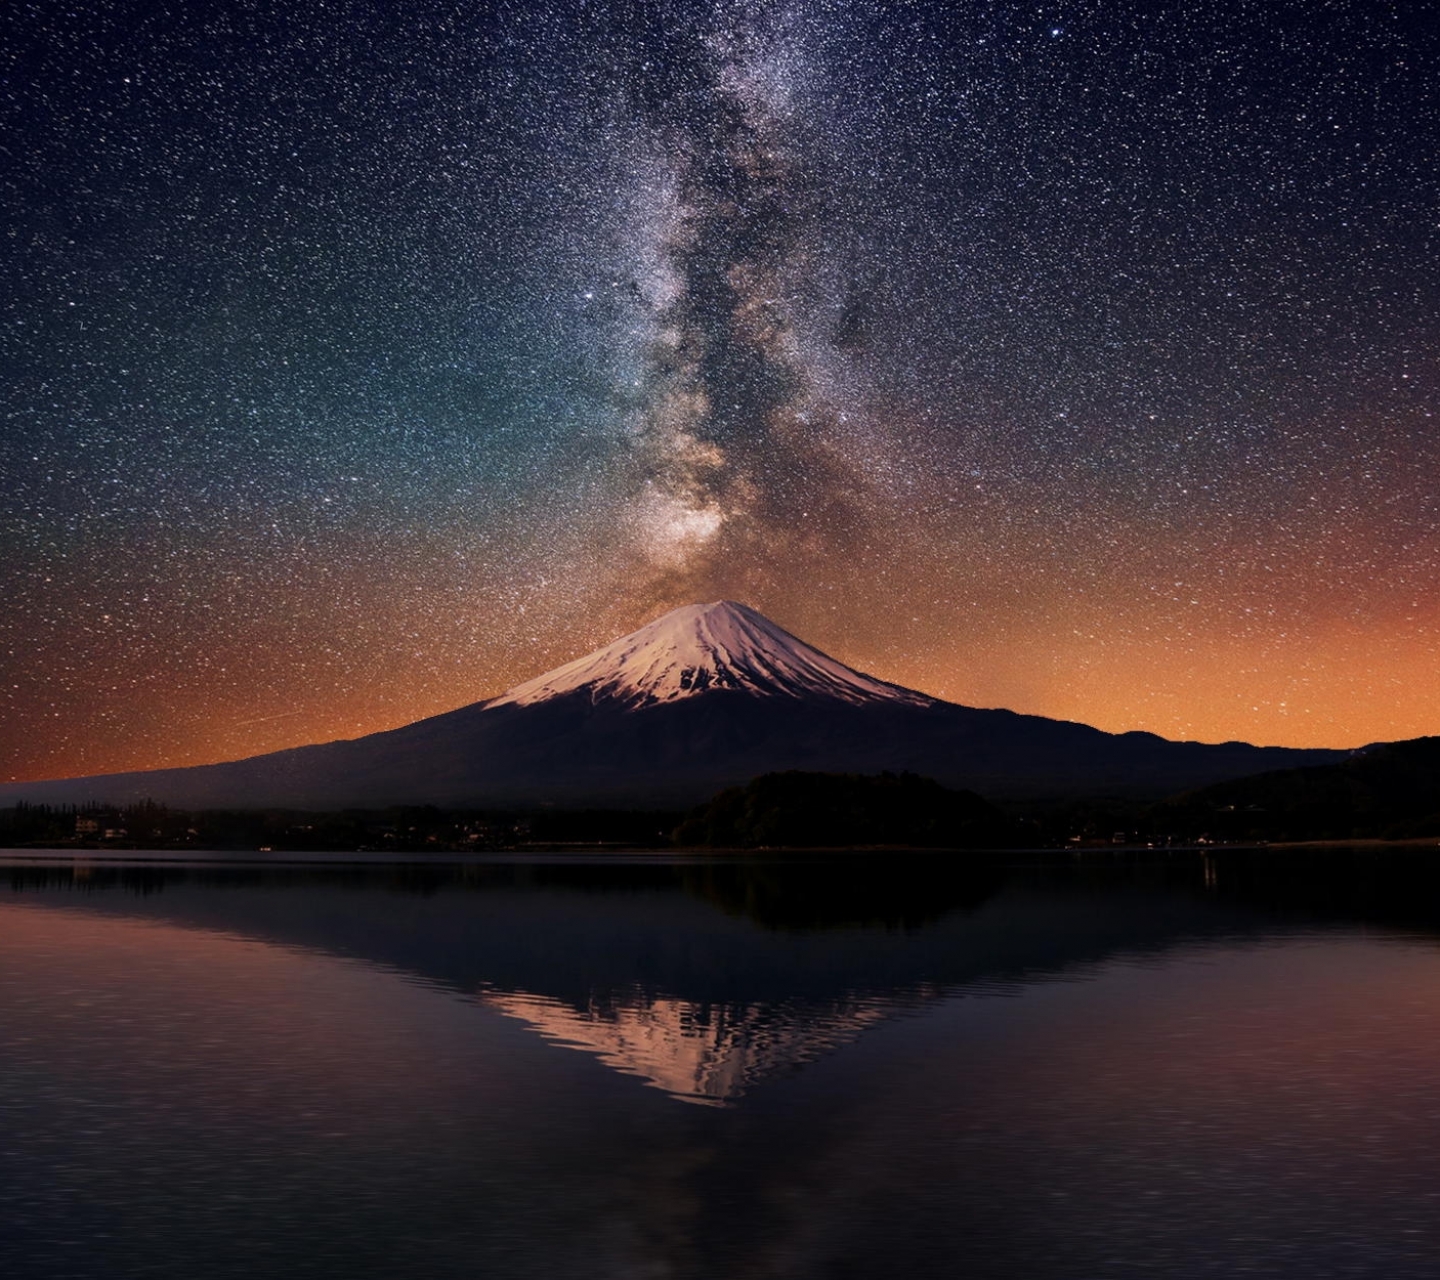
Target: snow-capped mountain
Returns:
[[701, 647], [705, 697]]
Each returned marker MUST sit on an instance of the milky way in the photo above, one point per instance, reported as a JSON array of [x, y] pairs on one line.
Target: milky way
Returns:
[[362, 360]]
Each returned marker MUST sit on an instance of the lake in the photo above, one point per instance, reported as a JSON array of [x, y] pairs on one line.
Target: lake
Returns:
[[1179, 1066]]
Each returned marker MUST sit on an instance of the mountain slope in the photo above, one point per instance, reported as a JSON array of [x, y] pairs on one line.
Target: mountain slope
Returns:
[[1390, 790], [706, 697]]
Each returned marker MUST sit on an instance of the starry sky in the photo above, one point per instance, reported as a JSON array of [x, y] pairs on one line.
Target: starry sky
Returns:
[[360, 360]]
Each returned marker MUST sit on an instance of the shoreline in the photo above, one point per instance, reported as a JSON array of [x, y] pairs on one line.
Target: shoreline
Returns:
[[619, 853]]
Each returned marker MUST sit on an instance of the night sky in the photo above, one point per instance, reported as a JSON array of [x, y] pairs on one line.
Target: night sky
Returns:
[[362, 359]]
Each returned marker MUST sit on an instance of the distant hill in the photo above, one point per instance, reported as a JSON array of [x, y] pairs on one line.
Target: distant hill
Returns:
[[832, 810], [1386, 791]]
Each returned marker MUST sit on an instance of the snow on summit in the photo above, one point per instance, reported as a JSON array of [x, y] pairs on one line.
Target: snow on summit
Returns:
[[702, 647]]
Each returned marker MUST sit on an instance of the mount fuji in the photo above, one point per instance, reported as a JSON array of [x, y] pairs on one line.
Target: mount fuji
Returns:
[[705, 697]]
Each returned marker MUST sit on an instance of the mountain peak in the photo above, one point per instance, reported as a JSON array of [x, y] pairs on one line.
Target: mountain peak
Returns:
[[700, 648]]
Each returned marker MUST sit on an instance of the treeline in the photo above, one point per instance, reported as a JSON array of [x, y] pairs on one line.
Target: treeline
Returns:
[[399, 829], [47, 824]]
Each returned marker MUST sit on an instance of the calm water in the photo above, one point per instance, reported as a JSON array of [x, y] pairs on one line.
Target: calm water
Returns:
[[1197, 1068]]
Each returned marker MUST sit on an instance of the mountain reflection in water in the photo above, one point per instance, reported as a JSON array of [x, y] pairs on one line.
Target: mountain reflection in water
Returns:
[[696, 1052], [1198, 1067]]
